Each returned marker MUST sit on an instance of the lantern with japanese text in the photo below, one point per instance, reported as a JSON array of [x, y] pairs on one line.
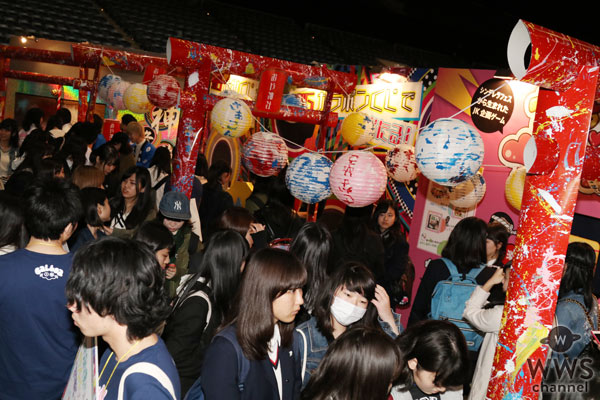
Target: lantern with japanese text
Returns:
[[401, 164], [105, 83], [307, 177], [115, 94], [231, 117], [449, 151], [164, 91], [265, 154], [358, 129], [515, 183], [467, 194], [358, 178], [136, 100]]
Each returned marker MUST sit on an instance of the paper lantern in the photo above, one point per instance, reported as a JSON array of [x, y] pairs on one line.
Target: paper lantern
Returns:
[[591, 165], [449, 151], [358, 129], [231, 117], [265, 154], [307, 177], [468, 193], [115, 94], [358, 178], [515, 183], [401, 164], [105, 83], [136, 100], [164, 91]]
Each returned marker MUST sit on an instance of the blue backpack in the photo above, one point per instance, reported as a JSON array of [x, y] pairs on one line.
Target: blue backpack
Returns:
[[449, 299], [196, 393]]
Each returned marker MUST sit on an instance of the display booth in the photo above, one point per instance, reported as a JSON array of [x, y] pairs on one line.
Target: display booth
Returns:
[[443, 143]]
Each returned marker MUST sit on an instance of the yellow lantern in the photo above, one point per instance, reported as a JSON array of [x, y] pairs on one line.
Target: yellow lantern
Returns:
[[136, 99], [358, 129], [231, 117], [515, 183]]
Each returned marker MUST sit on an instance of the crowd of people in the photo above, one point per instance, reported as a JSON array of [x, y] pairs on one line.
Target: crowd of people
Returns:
[[200, 295]]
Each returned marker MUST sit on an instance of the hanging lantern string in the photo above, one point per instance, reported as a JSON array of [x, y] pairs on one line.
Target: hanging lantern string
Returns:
[[469, 106], [104, 62], [220, 71]]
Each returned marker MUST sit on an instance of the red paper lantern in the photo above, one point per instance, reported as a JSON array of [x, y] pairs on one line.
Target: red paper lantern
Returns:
[[164, 91], [590, 173], [265, 154]]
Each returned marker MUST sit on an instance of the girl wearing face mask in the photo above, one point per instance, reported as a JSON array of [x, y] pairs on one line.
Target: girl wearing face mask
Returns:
[[434, 360], [349, 298]]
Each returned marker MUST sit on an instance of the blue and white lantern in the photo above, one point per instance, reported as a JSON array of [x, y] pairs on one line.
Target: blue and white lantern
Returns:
[[307, 177], [105, 83], [449, 151]]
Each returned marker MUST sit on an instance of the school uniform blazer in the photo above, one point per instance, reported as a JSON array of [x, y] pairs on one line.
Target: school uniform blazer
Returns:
[[220, 375]]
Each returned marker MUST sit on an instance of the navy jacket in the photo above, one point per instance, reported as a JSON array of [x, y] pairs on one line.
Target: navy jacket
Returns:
[[220, 373]]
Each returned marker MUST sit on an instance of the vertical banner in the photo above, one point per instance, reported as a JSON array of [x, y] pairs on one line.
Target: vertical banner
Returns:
[[270, 90], [83, 381]]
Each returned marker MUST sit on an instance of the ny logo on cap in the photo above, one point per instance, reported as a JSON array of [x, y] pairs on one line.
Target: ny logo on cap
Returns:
[[178, 205]]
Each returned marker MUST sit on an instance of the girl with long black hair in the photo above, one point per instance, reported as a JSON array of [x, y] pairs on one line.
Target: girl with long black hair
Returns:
[[203, 299]]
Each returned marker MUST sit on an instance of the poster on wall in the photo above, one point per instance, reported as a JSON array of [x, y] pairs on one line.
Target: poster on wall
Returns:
[[439, 218]]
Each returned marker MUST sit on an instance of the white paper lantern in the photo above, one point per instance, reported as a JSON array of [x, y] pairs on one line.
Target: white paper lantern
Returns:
[[358, 178], [136, 99], [515, 183], [358, 129], [307, 177], [449, 151], [401, 164], [468, 193], [105, 83], [265, 154], [231, 117]]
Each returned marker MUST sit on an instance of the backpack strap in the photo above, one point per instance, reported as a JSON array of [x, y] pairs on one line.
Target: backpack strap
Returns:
[[451, 267], [475, 271], [242, 362], [201, 293], [457, 276], [161, 182], [148, 369], [302, 352]]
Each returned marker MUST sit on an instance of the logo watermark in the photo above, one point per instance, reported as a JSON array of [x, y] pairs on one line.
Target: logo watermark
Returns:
[[563, 374]]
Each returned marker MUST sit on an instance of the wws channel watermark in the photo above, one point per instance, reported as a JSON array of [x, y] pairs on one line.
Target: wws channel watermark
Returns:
[[562, 374]]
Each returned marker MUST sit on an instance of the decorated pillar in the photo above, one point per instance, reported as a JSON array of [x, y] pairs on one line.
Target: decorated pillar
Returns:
[[566, 66], [82, 108], [193, 110]]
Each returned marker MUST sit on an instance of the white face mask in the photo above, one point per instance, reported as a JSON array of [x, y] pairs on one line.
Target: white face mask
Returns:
[[346, 313]]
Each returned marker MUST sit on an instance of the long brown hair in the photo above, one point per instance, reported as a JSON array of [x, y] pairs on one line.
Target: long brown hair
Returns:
[[268, 274]]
